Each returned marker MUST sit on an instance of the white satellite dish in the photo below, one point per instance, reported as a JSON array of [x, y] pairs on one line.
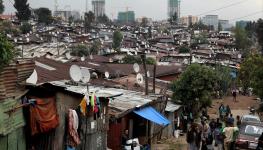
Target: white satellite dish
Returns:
[[75, 73], [107, 74], [85, 75], [136, 67], [139, 78], [148, 74], [33, 78], [82, 58], [68, 56], [91, 57]]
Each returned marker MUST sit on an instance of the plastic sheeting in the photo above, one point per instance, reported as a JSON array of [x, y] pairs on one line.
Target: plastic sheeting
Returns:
[[151, 114]]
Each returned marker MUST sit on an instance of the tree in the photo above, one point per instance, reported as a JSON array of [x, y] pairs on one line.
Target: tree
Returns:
[[88, 20], [25, 28], [174, 18], [80, 50], [259, 31], [184, 49], [117, 39], [250, 74], [2, 7], [242, 41], [144, 21], [6, 51], [70, 20], [194, 86], [150, 61], [23, 12], [103, 19], [44, 15], [220, 28], [6, 27], [129, 59], [95, 47]]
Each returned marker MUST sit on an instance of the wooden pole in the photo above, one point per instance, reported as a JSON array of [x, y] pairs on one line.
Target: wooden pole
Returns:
[[145, 73], [154, 75]]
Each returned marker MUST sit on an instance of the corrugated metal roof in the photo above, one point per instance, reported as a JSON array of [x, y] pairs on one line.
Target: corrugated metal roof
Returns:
[[172, 107], [123, 102], [14, 74]]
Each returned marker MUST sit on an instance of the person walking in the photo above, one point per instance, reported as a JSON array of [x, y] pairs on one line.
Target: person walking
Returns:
[[221, 111], [260, 142], [234, 94], [219, 137], [238, 121], [230, 133], [193, 137]]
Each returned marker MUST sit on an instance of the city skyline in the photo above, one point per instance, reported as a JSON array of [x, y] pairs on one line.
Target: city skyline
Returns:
[[236, 10]]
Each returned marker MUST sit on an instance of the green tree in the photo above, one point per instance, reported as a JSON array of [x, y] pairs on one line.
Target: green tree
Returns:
[[195, 86], [150, 61], [259, 31], [2, 7], [25, 28], [220, 28], [88, 20], [184, 49], [80, 50], [44, 15], [103, 19], [23, 11], [129, 59], [6, 51], [174, 18], [224, 79], [144, 22], [6, 27], [250, 74], [117, 39], [242, 41], [95, 47]]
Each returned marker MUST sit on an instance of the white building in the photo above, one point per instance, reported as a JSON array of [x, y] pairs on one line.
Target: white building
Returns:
[[98, 7], [211, 20]]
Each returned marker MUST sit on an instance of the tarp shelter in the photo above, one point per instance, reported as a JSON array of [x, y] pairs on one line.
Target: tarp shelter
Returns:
[[151, 114]]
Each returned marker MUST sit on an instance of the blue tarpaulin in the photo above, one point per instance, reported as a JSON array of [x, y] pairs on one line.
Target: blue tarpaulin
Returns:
[[151, 114]]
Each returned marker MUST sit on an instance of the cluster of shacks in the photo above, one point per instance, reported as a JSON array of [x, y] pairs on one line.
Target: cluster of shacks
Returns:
[[60, 115]]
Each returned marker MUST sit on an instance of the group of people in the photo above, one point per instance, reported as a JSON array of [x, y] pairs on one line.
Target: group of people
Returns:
[[221, 133]]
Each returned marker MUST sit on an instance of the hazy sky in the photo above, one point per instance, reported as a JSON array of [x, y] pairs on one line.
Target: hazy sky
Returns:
[[157, 9]]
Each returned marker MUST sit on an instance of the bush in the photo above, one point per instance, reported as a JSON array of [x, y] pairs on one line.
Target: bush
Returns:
[[6, 51]]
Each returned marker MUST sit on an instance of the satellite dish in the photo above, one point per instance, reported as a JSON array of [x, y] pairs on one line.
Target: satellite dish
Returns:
[[82, 58], [91, 57], [75, 73], [136, 67], [85, 75], [148, 74], [33, 78], [139, 78], [107, 75], [68, 56]]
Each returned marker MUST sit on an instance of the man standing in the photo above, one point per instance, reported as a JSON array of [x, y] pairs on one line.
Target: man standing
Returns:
[[234, 94], [230, 132]]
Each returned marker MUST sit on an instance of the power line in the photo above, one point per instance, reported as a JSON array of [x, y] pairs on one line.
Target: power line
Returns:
[[252, 14], [223, 7]]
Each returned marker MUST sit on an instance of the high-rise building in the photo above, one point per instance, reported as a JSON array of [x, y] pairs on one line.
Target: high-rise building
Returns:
[[242, 23], [98, 7], [211, 20], [64, 15], [188, 20], [225, 24], [126, 17], [174, 7]]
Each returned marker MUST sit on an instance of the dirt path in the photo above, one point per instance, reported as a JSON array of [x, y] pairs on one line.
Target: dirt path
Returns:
[[237, 108]]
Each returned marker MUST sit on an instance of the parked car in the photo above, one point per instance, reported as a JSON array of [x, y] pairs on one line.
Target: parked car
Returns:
[[250, 118], [249, 133]]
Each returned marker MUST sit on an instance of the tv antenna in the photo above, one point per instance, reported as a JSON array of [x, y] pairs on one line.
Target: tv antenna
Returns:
[[107, 74], [136, 67], [75, 73], [139, 78]]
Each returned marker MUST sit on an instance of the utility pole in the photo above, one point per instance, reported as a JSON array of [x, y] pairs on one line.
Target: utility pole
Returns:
[[154, 75], [143, 56]]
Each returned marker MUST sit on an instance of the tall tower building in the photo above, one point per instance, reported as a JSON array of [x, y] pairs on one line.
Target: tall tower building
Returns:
[[173, 7], [98, 7]]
